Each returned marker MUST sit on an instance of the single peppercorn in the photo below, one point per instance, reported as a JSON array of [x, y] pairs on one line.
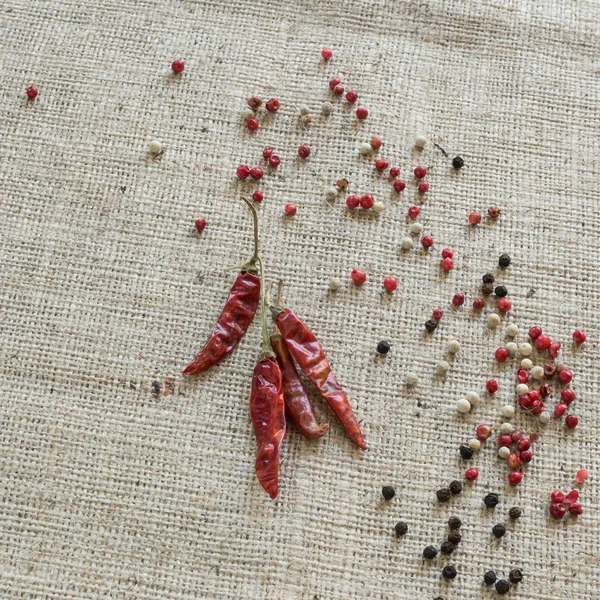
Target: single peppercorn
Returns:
[[449, 572], [499, 530], [491, 500], [438, 598], [444, 494], [430, 552], [515, 512], [401, 528], [501, 291], [388, 492], [504, 261], [430, 325], [383, 347], [455, 487], [502, 586], [489, 578], [454, 538], [447, 548], [516, 576], [466, 452], [458, 162], [454, 523], [488, 278]]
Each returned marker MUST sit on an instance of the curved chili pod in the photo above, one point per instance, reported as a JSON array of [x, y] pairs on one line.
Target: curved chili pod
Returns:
[[297, 401], [237, 314], [309, 355], [267, 411]]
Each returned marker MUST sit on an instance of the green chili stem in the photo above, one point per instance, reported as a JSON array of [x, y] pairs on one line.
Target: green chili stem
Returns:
[[267, 351]]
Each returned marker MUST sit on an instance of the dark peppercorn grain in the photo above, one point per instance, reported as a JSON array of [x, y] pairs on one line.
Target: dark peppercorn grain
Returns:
[[455, 487], [504, 261], [458, 162], [501, 291], [489, 578], [454, 538], [447, 547], [491, 500], [487, 289], [388, 492], [430, 552], [383, 347], [549, 370], [488, 278], [502, 586], [499, 530], [516, 576], [401, 528], [444, 494], [454, 523], [449, 572], [465, 452], [431, 325], [515, 512], [438, 598]]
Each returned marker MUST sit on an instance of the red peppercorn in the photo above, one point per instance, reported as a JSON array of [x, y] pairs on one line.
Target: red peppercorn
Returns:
[[537, 407], [545, 390], [572, 497], [390, 284], [554, 349], [505, 441], [567, 396], [560, 410], [501, 354], [534, 436], [579, 337], [516, 435], [367, 201], [304, 151], [513, 461], [471, 474], [274, 160], [200, 225], [524, 444], [376, 143], [31, 92], [447, 253], [381, 164], [267, 152], [351, 97], [326, 53], [525, 401], [252, 124], [534, 395], [542, 342], [273, 105], [557, 510], [557, 497], [474, 218], [362, 113], [427, 241], [491, 386], [420, 172], [243, 171], [256, 173], [413, 212], [257, 196], [290, 210], [423, 187], [535, 332], [458, 299], [504, 305], [394, 172], [478, 303], [352, 201], [565, 376], [447, 264], [399, 185], [526, 456], [522, 376], [582, 476], [358, 277], [515, 478], [572, 421], [334, 81], [437, 314], [338, 90], [483, 432], [177, 66], [575, 509]]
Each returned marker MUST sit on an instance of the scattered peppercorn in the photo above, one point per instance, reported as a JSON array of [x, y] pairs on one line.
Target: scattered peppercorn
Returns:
[[502, 586], [458, 162], [487, 289], [399, 185], [326, 53], [447, 548], [489, 578], [31, 92], [491, 500], [474, 218], [200, 225], [466, 452], [423, 187], [177, 66], [430, 325], [458, 299], [499, 530], [430, 552], [304, 151], [443, 494], [256, 173], [401, 528], [362, 113], [516, 576], [455, 487], [504, 261], [501, 291], [388, 492], [515, 512], [478, 304], [494, 212], [549, 369], [383, 347], [454, 538], [258, 196], [272, 105], [252, 124], [488, 278], [449, 572], [358, 277], [290, 210], [454, 523]]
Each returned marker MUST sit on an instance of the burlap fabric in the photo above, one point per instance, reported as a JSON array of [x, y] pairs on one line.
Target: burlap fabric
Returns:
[[121, 480]]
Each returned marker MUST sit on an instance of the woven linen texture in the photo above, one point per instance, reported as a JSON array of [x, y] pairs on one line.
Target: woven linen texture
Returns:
[[120, 479]]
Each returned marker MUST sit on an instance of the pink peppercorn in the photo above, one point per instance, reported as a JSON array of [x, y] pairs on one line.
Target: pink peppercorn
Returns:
[[200, 225], [501, 354], [290, 210], [273, 105], [427, 241], [526, 456], [256, 173], [516, 435], [571, 421], [362, 113], [338, 90], [560, 410], [394, 172], [352, 201], [542, 342], [420, 172], [525, 401], [390, 284], [31, 92], [351, 97], [471, 474], [545, 390], [524, 444], [274, 160], [258, 196], [267, 152], [535, 332], [177, 66], [513, 461], [474, 218], [381, 164], [326, 53], [572, 496], [413, 212], [399, 185], [367, 201], [376, 143], [565, 376], [447, 253], [575, 509], [478, 303], [554, 349], [423, 187], [334, 81], [557, 497], [579, 337], [557, 510], [243, 171], [537, 407], [437, 314], [491, 386], [567, 396], [458, 299], [504, 305], [505, 441], [515, 478], [252, 124], [483, 432], [447, 264], [304, 151], [522, 376], [534, 395], [358, 277], [582, 476]]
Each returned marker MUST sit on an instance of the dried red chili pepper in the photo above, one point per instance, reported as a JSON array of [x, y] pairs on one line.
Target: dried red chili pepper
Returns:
[[297, 402], [267, 408], [309, 355], [236, 316]]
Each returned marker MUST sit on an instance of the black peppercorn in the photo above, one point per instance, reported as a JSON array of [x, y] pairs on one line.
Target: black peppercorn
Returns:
[[444, 494], [465, 452], [491, 500], [454, 538], [455, 487], [454, 523], [430, 552], [488, 278], [447, 548], [431, 325], [499, 530], [449, 572], [383, 347], [489, 578], [487, 289], [502, 586], [515, 512], [516, 576], [504, 261], [458, 162], [401, 528], [388, 492], [501, 291], [438, 598]]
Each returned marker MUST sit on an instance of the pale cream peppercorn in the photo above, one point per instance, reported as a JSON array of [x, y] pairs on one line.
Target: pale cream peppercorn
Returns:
[[416, 228], [420, 141], [506, 428], [463, 406], [411, 379], [304, 110], [526, 363], [407, 244], [525, 349], [473, 398], [508, 411], [365, 148], [326, 108], [154, 147], [493, 320], [442, 367], [475, 444], [522, 388], [453, 346], [512, 348], [544, 418], [378, 207], [537, 372], [331, 193], [512, 330], [334, 284], [504, 452]]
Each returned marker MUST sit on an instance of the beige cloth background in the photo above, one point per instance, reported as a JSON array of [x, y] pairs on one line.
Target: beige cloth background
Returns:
[[113, 486]]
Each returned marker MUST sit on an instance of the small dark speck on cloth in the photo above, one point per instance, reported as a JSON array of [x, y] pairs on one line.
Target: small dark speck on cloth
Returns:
[[440, 149], [531, 293], [123, 188], [155, 388]]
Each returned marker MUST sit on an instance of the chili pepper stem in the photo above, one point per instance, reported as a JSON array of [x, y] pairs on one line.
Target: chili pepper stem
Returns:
[[267, 351], [249, 265], [277, 309]]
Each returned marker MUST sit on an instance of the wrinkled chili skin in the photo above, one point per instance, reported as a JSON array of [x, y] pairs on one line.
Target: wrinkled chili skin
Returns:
[[236, 316], [267, 411], [309, 355], [297, 402]]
